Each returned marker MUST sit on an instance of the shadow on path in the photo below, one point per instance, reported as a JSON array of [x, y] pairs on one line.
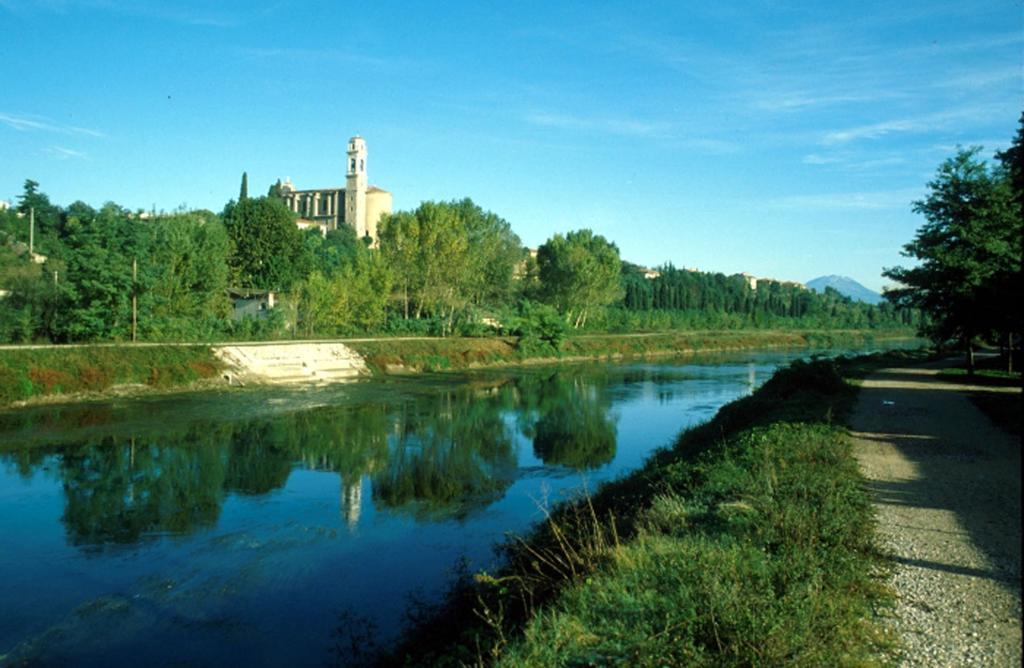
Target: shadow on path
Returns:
[[947, 487]]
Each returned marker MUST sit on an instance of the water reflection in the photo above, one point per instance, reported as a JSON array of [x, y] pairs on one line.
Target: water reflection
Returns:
[[232, 528], [428, 454]]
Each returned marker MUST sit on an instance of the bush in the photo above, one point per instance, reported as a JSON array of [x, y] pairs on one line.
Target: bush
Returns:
[[541, 330]]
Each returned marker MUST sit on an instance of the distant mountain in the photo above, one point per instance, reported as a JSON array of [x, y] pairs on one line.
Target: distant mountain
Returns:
[[845, 286]]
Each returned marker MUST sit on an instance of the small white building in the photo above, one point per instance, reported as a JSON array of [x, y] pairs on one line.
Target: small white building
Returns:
[[252, 303]]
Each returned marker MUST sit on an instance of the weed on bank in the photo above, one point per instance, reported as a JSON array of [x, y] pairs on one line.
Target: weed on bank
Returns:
[[748, 542]]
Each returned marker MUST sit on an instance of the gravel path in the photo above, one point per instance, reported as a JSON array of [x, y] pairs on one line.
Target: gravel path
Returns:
[[947, 491]]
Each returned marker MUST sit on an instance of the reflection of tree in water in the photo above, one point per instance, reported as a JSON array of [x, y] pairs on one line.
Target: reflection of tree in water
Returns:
[[449, 455], [116, 492], [434, 454], [570, 423], [259, 461], [120, 489]]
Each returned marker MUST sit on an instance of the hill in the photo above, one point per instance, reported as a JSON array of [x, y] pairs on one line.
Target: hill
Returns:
[[845, 286]]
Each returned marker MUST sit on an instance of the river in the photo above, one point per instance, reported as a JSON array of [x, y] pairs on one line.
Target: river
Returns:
[[289, 526]]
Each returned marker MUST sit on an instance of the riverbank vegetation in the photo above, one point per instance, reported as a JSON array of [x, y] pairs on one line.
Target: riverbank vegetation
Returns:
[[747, 542], [32, 373], [442, 354], [442, 269]]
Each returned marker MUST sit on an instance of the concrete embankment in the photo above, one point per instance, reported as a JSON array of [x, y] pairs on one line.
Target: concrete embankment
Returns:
[[281, 363]]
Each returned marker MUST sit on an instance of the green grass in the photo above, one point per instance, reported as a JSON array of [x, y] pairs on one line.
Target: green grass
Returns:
[[748, 542], [29, 373], [458, 353]]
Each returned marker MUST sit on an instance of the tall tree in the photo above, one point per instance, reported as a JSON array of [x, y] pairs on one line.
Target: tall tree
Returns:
[[47, 218], [449, 256], [188, 274], [971, 238], [98, 284], [578, 273], [243, 193], [267, 248], [1009, 283], [275, 189]]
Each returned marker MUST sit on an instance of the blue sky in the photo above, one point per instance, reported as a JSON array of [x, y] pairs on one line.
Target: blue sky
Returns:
[[781, 139]]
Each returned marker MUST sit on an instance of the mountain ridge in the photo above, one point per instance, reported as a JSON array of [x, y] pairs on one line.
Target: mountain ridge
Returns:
[[845, 286]]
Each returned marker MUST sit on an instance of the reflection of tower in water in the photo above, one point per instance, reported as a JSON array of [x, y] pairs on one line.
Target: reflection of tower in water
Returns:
[[351, 502], [751, 376]]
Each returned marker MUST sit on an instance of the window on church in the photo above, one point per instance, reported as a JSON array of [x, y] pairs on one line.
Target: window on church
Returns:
[[362, 165], [352, 165]]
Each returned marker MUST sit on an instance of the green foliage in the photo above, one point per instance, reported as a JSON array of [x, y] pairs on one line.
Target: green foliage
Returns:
[[541, 330], [97, 287], [448, 257], [267, 246], [187, 278], [969, 253], [351, 296], [579, 273], [683, 299], [28, 373], [444, 268], [29, 310], [747, 543]]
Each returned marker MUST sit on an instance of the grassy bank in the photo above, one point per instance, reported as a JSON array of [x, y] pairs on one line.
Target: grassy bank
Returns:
[[748, 542], [42, 372], [34, 373], [385, 355]]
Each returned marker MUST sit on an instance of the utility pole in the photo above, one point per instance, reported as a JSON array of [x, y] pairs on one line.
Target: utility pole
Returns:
[[135, 313], [31, 230]]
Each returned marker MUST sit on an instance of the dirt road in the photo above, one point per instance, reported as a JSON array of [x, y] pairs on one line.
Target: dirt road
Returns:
[[947, 488]]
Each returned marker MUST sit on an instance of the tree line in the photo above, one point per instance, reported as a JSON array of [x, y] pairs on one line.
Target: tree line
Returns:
[[969, 251], [443, 268]]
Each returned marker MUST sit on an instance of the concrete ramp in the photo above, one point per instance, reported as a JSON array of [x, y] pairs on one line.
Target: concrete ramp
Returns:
[[290, 363]]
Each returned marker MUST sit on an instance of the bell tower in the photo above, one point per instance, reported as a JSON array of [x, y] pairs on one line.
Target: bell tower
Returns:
[[355, 186]]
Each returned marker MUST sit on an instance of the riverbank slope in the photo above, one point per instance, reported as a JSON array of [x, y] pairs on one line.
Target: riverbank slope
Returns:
[[39, 374], [749, 542]]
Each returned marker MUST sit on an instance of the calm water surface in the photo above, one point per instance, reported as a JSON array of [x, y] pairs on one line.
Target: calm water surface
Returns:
[[279, 527]]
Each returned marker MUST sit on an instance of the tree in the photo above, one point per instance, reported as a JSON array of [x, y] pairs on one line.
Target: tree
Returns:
[[47, 218], [579, 272], [98, 285], [349, 300], [1009, 282], [968, 246], [267, 248], [243, 194], [449, 256], [187, 274]]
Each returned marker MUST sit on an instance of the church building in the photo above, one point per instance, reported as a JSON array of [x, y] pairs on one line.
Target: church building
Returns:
[[357, 205]]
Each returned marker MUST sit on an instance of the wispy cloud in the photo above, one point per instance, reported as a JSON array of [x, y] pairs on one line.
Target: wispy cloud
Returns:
[[800, 100], [29, 123], [307, 54], [853, 161], [917, 124], [877, 200], [64, 153], [983, 78], [616, 126]]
